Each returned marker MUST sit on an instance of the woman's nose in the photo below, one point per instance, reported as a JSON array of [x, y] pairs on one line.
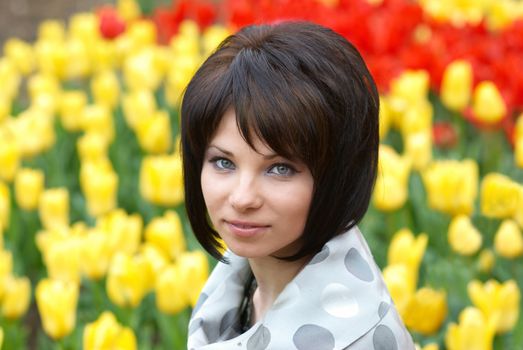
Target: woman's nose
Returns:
[[245, 194]]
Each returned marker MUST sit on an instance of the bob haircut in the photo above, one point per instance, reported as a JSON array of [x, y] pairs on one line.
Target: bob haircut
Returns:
[[305, 92]]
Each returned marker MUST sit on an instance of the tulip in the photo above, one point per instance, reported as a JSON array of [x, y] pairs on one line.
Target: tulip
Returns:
[[167, 234], [170, 289], [500, 196], [142, 33], [154, 134], [463, 237], [16, 297], [62, 260], [43, 84], [502, 14], [129, 10], [401, 285], [498, 302], [58, 318], [21, 54], [474, 331], [1, 337], [418, 147], [408, 89], [5, 107], [9, 157], [141, 72], [95, 254], [5, 206], [452, 186], [51, 58], [138, 105], [212, 37], [54, 208], [6, 269], [78, 52], [40, 125], [106, 89], [487, 103], [391, 190], [10, 78], [129, 279], [426, 311], [416, 118], [186, 42], [99, 184], [51, 30], [92, 147], [161, 181], [456, 85], [385, 117], [98, 119], [431, 346], [104, 56], [178, 77], [124, 232], [408, 250], [106, 333], [194, 267], [486, 261], [29, 185], [85, 28], [508, 240], [72, 105], [156, 258]]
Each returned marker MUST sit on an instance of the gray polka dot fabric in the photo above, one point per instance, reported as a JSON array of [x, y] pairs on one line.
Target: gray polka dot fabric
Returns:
[[338, 301]]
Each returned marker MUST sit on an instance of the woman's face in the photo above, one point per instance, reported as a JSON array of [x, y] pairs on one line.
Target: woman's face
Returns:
[[257, 200]]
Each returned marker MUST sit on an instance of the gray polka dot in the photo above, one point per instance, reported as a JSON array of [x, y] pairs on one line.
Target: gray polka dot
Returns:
[[211, 331], [322, 255], [383, 339], [195, 325], [357, 265], [383, 309], [230, 318], [260, 339], [312, 337], [203, 297]]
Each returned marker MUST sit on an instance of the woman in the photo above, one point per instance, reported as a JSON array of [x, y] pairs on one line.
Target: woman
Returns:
[[280, 148]]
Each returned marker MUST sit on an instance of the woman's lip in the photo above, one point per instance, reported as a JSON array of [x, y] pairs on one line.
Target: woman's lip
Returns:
[[245, 229]]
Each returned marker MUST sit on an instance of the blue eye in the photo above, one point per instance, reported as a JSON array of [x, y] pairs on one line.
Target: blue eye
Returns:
[[282, 170], [222, 163]]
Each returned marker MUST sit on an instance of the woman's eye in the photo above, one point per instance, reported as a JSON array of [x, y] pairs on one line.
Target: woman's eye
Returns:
[[282, 170], [222, 163]]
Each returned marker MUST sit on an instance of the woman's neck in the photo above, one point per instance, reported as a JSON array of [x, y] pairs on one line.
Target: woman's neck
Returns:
[[272, 275]]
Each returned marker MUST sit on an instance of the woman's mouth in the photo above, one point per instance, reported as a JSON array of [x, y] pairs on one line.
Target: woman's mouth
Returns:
[[245, 229]]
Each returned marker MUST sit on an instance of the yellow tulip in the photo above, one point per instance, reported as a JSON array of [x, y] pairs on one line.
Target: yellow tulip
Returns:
[[508, 240], [401, 285], [171, 290], [186, 42], [142, 33], [71, 108], [51, 58], [62, 259], [106, 89], [124, 232], [391, 189], [10, 78], [452, 186], [9, 157], [194, 268], [408, 250], [498, 302], [98, 119], [410, 88], [5, 206], [486, 260], [129, 10], [54, 208], [456, 85], [104, 56], [166, 233], [180, 73], [141, 72], [92, 147], [161, 181], [6, 269], [129, 279], [17, 294], [58, 318], [51, 30], [21, 54], [418, 147], [430, 346], [463, 237], [154, 133], [212, 37], [500, 196], [95, 254], [43, 84], [138, 105], [501, 14], [85, 27], [29, 185], [385, 117], [426, 311], [417, 118], [156, 258], [107, 334], [474, 331], [99, 185], [40, 125], [78, 51], [1, 337], [487, 103], [5, 107]]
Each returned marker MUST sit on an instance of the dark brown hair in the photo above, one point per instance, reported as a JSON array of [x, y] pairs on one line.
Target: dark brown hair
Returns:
[[307, 93]]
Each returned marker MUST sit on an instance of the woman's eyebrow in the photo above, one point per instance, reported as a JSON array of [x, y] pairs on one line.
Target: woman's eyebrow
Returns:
[[268, 156], [224, 151]]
